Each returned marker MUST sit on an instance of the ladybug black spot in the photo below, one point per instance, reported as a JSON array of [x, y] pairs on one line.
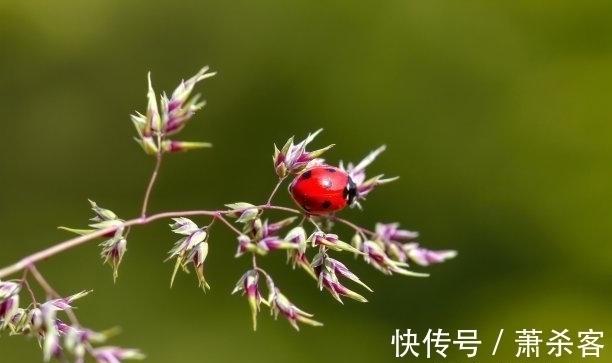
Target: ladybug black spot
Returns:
[[331, 170], [306, 174], [326, 204]]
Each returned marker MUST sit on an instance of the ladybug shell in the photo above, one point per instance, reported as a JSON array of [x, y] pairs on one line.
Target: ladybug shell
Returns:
[[322, 189]]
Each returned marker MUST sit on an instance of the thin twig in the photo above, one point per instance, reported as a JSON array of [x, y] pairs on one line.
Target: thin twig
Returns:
[[42, 282], [278, 184], [358, 229], [145, 202], [278, 207], [24, 282], [220, 217], [315, 224], [51, 292], [77, 241]]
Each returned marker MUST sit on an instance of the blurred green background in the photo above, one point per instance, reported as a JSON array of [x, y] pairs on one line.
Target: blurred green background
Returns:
[[497, 116]]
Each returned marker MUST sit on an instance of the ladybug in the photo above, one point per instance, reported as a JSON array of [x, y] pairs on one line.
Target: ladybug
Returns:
[[323, 189]]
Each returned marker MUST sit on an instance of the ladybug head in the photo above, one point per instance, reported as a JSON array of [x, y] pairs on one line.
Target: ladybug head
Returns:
[[350, 191]]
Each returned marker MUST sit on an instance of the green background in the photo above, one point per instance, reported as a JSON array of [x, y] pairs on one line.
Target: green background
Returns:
[[497, 116]]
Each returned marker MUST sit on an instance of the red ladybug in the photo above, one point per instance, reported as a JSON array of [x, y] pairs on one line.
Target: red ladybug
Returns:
[[323, 189]]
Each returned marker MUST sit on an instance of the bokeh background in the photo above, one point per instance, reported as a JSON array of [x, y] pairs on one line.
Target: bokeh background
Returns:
[[497, 116]]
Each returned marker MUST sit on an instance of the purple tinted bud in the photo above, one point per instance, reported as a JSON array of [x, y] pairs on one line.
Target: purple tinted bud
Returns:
[[198, 257], [280, 304], [19, 319], [357, 172], [115, 354], [50, 334], [112, 253], [8, 289], [325, 239], [199, 254], [193, 248], [184, 226], [272, 228], [272, 243], [155, 125], [358, 175], [244, 245], [375, 256], [62, 327], [425, 257], [177, 110], [331, 241], [173, 105], [326, 269], [8, 309], [36, 318], [391, 232], [297, 236], [248, 284], [62, 303], [293, 158], [173, 146]]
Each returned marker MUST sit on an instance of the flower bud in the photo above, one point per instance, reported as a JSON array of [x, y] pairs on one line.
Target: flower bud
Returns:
[[153, 117], [294, 315], [148, 145], [184, 226], [331, 241], [271, 228], [248, 215], [101, 214], [375, 256], [199, 256], [293, 158], [172, 146], [112, 253], [8, 308], [193, 248], [326, 268], [248, 284], [425, 257], [8, 289], [115, 354]]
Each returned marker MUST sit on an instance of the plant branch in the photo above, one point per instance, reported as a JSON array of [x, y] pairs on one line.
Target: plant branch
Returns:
[[278, 184], [24, 282], [220, 217], [278, 207], [357, 228], [50, 291], [145, 202], [36, 257]]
